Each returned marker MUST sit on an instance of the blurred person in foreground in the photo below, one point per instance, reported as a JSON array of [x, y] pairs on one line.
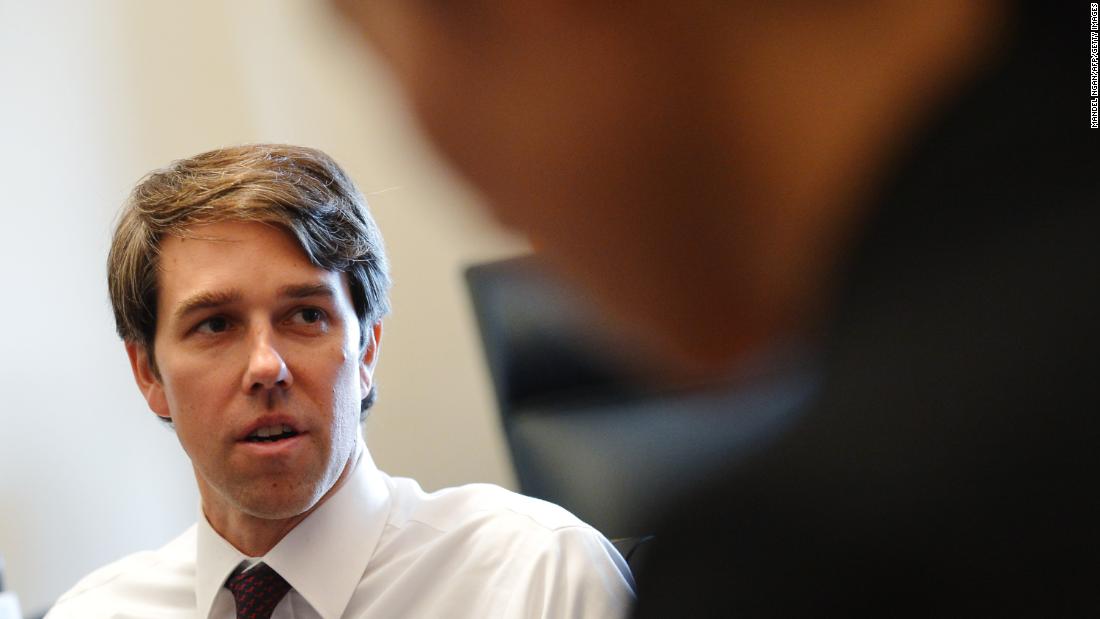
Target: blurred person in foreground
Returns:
[[910, 186], [249, 285]]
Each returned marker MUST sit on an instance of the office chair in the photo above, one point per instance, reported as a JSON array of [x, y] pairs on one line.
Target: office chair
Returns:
[[583, 427]]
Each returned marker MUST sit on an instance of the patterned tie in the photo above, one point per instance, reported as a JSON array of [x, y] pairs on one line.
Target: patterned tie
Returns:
[[257, 591]]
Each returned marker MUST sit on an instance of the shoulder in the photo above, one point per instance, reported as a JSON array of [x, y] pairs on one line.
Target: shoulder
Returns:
[[462, 506], [513, 540], [148, 579]]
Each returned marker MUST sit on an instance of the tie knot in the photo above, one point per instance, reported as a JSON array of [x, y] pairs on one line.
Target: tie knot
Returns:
[[257, 591]]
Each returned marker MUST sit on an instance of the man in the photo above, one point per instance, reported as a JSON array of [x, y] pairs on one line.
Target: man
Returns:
[[907, 185], [249, 285]]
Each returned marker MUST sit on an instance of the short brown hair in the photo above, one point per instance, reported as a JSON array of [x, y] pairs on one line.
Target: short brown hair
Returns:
[[301, 190]]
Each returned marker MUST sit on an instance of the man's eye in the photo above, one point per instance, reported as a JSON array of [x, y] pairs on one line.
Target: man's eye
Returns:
[[308, 315], [216, 324]]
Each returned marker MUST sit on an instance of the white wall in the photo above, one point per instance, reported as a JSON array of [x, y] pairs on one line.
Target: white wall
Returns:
[[92, 96]]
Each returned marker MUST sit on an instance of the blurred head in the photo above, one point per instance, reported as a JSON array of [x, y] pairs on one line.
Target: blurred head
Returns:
[[301, 191], [696, 163]]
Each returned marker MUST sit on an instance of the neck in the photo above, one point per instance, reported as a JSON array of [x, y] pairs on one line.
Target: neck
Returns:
[[255, 535], [812, 116]]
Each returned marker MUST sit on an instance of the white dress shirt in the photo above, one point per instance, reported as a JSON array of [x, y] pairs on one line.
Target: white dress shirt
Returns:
[[381, 547]]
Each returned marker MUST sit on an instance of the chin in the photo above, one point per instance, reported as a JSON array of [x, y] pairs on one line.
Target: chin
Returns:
[[279, 503]]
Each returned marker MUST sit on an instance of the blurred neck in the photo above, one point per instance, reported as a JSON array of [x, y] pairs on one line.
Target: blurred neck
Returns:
[[814, 100]]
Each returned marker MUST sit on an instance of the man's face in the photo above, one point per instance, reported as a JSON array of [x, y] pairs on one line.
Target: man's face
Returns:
[[259, 368]]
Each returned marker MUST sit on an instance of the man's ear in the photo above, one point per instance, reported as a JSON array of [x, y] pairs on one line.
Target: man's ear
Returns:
[[147, 380], [372, 345]]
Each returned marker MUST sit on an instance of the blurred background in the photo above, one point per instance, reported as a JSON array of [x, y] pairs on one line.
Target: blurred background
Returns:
[[94, 95]]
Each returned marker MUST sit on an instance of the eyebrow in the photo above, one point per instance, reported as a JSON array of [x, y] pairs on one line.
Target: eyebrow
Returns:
[[208, 300], [305, 291]]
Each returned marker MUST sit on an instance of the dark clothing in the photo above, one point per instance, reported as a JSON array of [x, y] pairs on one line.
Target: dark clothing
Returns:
[[948, 466]]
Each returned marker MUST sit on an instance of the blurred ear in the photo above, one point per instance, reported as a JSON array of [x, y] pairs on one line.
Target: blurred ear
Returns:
[[147, 380], [369, 359]]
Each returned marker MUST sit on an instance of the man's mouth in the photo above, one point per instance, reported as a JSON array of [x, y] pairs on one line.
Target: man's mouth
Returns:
[[270, 434]]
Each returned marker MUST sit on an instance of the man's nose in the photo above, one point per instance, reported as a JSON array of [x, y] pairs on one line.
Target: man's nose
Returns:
[[266, 366]]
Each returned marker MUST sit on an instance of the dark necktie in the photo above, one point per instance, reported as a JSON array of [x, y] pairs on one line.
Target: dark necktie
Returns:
[[257, 591]]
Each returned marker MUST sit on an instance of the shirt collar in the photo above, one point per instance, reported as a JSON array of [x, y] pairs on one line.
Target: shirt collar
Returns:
[[323, 558]]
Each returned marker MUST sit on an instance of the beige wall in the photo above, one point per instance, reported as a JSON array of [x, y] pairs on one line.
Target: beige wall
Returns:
[[93, 96]]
